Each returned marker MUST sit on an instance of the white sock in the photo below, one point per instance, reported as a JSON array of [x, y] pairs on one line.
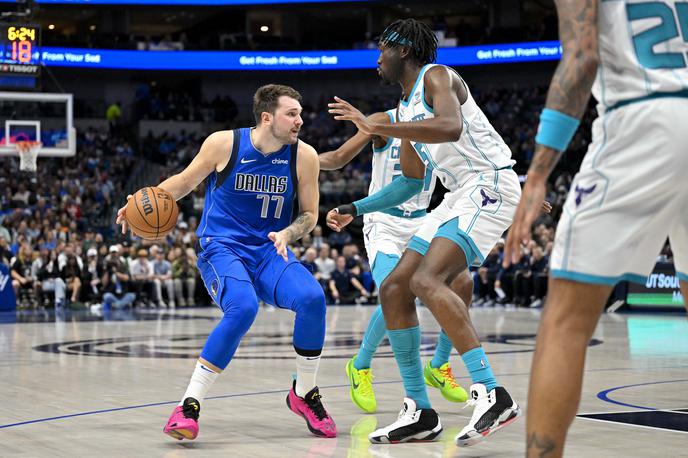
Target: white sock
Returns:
[[202, 379], [306, 369]]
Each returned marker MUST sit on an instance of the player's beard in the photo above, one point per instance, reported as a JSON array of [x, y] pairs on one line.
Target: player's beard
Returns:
[[393, 71], [283, 137]]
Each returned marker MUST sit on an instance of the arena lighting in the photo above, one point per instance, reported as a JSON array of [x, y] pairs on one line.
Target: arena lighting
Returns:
[[51, 26], [264, 28], [286, 60]]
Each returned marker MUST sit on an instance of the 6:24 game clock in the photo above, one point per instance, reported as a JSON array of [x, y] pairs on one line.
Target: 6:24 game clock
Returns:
[[19, 47]]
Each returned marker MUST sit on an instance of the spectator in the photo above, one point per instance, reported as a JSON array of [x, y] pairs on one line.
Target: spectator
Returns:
[[317, 238], [344, 287], [50, 281], [308, 260], [93, 274], [337, 240], [113, 115], [142, 277], [71, 275], [184, 277], [325, 265], [162, 274], [115, 282], [22, 281]]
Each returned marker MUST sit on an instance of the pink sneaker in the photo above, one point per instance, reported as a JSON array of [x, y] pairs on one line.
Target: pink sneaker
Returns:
[[183, 424], [311, 409]]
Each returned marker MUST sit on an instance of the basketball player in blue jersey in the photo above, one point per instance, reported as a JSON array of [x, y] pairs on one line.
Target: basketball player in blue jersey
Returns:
[[628, 197], [387, 234], [442, 128], [253, 176]]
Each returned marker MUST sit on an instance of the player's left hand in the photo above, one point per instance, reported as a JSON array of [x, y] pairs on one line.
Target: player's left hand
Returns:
[[280, 241], [546, 207], [344, 111], [336, 221], [528, 209]]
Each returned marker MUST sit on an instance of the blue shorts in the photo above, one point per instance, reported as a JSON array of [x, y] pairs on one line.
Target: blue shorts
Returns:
[[258, 264]]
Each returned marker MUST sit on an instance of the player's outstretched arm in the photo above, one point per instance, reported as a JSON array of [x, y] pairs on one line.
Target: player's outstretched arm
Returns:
[[307, 169], [395, 193], [212, 153], [333, 160], [446, 125], [567, 98]]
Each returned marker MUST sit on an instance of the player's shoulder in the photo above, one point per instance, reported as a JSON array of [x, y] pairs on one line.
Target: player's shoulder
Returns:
[[220, 137], [438, 71], [306, 150]]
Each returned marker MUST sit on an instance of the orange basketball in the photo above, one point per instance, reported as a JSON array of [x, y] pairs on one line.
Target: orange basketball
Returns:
[[152, 213]]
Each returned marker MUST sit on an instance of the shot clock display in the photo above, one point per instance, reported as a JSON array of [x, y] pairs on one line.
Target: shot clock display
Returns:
[[19, 45]]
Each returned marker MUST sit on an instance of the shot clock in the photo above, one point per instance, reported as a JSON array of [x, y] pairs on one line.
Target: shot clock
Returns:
[[19, 48]]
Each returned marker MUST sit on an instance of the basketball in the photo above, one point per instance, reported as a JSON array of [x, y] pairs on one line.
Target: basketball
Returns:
[[152, 213]]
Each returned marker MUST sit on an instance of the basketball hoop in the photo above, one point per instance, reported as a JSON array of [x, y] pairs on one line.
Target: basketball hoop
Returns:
[[28, 153]]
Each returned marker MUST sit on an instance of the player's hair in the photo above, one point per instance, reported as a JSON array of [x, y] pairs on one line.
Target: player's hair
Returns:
[[267, 97], [416, 35]]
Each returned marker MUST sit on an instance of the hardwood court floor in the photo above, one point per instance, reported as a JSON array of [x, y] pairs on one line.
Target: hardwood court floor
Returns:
[[105, 386]]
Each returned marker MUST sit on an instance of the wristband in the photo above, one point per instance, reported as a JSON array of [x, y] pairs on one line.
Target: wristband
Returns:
[[556, 129], [348, 209]]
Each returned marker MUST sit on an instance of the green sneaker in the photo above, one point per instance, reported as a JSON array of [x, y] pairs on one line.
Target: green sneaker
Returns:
[[361, 387], [443, 379]]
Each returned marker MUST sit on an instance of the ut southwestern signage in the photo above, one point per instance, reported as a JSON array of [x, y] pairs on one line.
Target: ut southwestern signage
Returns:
[[289, 60]]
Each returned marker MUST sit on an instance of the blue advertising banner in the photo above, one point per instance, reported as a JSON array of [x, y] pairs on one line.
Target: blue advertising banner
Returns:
[[184, 2], [7, 299], [286, 60]]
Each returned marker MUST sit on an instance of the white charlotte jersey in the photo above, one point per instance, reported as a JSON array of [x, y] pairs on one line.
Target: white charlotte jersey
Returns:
[[480, 148], [386, 167], [643, 50]]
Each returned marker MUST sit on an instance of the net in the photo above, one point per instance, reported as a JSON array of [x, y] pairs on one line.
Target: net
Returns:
[[28, 153]]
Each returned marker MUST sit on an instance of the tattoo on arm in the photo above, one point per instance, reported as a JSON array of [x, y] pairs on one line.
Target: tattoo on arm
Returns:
[[544, 161], [539, 446], [569, 90], [301, 226]]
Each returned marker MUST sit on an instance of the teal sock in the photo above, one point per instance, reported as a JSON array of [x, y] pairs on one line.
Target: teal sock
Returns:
[[406, 346], [479, 368], [371, 339], [442, 351]]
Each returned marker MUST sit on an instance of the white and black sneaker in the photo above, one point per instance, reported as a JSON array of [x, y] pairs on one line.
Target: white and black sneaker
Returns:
[[492, 411], [412, 425]]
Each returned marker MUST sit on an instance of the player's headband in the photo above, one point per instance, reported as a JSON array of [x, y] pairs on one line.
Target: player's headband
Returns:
[[390, 36]]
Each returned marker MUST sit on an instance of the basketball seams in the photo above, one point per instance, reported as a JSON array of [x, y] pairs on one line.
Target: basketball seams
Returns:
[[153, 231], [171, 213], [141, 232], [157, 212], [136, 204]]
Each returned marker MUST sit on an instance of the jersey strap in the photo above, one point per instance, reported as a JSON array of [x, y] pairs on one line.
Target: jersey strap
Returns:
[[222, 176]]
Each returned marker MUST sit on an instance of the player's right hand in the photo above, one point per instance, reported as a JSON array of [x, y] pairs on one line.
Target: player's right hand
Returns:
[[336, 221], [122, 216]]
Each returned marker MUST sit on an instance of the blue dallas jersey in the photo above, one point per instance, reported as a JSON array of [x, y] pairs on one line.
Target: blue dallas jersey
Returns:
[[252, 196]]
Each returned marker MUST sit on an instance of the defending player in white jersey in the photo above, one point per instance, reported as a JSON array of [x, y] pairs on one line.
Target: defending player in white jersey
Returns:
[[629, 195], [442, 129], [386, 235]]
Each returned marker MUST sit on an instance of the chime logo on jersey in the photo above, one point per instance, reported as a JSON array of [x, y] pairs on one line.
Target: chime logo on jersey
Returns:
[[261, 183]]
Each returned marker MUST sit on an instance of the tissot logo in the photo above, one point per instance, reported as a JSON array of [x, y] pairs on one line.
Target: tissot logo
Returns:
[[280, 161]]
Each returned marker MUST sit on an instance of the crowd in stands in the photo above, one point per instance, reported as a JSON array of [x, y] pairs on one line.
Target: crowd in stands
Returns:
[[57, 226], [155, 102], [451, 30]]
